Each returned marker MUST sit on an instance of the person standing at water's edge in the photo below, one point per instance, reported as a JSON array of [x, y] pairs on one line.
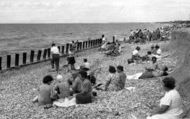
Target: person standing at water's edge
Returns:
[[55, 56]]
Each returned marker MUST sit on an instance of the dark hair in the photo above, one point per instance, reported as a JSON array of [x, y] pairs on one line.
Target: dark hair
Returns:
[[138, 48], [169, 82], [102, 35], [85, 60], [47, 79], [149, 53], [157, 46], [152, 47], [120, 67], [83, 74], [154, 58], [112, 69], [165, 68], [53, 44]]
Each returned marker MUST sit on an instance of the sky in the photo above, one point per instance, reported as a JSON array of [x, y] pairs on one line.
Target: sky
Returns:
[[93, 11]]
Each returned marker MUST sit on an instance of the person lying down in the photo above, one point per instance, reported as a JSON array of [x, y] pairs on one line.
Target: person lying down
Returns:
[[150, 72]]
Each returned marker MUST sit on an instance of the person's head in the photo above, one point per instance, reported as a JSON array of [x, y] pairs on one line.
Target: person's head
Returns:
[[168, 83], [154, 59], [85, 60], [157, 46], [138, 48], [103, 36], [53, 44], [119, 68], [59, 78], [83, 74], [73, 42], [47, 79], [112, 69], [149, 53], [152, 47]]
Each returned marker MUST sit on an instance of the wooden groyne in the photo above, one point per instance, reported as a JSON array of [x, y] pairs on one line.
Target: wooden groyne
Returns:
[[18, 60]]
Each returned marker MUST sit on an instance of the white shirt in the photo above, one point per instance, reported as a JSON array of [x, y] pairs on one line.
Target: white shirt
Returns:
[[135, 52], [87, 65], [173, 100], [54, 50], [159, 51]]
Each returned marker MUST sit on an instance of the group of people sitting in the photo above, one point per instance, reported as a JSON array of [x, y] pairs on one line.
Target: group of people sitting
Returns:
[[111, 48], [141, 36], [155, 51]]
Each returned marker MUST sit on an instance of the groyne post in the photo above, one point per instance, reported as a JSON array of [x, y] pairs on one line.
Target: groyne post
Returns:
[[16, 60], [63, 49], [45, 54], [0, 63], [24, 58], [32, 56], [49, 52], [67, 48], [39, 55], [8, 61]]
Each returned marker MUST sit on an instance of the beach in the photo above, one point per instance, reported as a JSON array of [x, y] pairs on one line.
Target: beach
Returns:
[[19, 87]]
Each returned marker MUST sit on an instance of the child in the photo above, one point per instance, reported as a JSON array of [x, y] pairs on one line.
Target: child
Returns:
[[45, 92], [62, 89]]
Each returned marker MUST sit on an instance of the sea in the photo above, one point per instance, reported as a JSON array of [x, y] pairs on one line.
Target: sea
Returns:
[[25, 37]]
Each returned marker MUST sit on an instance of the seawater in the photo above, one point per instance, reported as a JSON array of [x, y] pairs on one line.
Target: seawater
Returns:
[[24, 37]]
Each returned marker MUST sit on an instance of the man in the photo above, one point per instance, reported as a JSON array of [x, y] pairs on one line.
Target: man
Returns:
[[121, 78], [55, 57]]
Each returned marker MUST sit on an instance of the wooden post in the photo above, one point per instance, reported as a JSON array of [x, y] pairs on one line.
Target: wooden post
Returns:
[[0, 63], [80, 45], [49, 53], [59, 48], [32, 56], [86, 44], [24, 58], [8, 61], [67, 48], [39, 55], [63, 49], [16, 60], [83, 45], [45, 54]]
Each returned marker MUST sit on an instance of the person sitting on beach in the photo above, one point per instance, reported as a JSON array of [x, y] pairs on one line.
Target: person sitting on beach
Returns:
[[85, 96], [77, 82], [170, 106], [86, 65], [157, 52], [45, 92], [112, 77], [55, 57], [62, 88], [152, 71], [121, 78], [135, 54], [147, 57], [153, 49]]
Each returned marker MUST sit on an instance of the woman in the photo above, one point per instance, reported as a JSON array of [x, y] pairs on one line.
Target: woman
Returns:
[[45, 92], [152, 71], [111, 79], [171, 104]]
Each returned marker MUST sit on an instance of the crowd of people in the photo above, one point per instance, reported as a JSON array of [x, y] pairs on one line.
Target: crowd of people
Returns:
[[111, 48], [82, 86], [141, 36]]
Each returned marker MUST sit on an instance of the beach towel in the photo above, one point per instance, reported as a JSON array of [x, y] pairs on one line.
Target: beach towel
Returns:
[[65, 102]]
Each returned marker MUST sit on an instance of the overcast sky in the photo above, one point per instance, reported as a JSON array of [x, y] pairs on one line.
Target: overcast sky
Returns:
[[77, 11]]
